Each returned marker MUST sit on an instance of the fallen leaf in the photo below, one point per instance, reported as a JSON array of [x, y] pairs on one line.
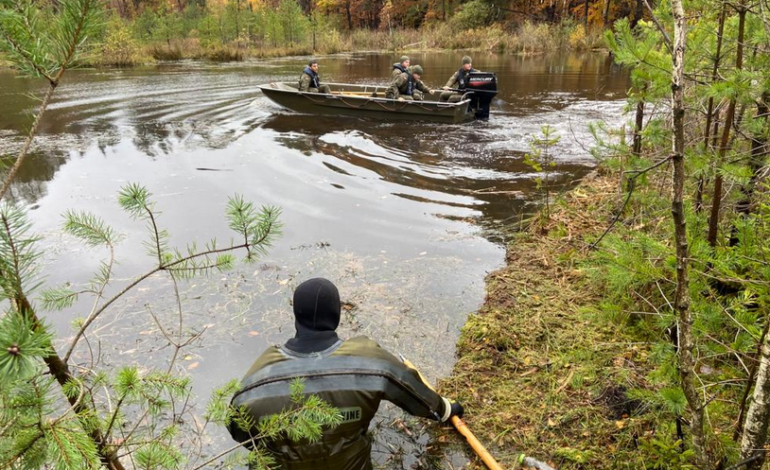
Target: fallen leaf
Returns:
[[188, 358], [551, 422], [193, 365], [620, 424], [253, 333]]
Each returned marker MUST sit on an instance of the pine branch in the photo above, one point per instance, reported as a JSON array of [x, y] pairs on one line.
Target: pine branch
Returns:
[[265, 236]]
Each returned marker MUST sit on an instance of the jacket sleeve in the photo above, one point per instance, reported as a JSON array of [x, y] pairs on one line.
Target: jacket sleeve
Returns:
[[420, 400], [422, 87], [393, 91], [304, 82], [452, 81]]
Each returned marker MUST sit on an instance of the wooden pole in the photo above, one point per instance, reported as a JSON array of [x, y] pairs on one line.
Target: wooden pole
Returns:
[[458, 423]]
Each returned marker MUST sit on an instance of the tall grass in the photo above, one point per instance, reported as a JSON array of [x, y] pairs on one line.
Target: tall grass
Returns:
[[528, 38]]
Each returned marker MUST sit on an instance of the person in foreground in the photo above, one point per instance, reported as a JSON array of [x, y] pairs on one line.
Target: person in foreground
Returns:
[[457, 81], [310, 81], [352, 375], [402, 66], [407, 86]]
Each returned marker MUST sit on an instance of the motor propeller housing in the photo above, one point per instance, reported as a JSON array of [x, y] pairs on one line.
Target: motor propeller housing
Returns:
[[483, 86]]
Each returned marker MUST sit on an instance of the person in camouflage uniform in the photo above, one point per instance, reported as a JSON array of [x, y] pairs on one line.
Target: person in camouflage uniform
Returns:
[[310, 81], [407, 86], [352, 375], [457, 81], [402, 66]]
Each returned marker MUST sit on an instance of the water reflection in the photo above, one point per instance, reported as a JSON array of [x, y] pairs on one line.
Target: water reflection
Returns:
[[388, 210]]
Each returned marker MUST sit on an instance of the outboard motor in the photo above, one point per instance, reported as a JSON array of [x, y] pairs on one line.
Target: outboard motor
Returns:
[[484, 88]]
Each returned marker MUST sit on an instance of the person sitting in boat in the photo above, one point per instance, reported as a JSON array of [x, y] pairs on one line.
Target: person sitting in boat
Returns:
[[310, 81], [352, 375], [457, 81], [407, 86], [402, 66]]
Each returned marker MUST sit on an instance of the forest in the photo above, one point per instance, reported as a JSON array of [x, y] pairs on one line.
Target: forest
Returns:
[[138, 31]]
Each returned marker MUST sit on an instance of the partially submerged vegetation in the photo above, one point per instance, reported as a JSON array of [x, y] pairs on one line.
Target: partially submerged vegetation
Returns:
[[121, 45]]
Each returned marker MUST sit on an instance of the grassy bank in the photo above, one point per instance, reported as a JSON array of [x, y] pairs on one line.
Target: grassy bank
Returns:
[[122, 46], [543, 371]]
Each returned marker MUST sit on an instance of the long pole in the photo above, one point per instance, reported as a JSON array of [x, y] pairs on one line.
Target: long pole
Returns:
[[458, 423]]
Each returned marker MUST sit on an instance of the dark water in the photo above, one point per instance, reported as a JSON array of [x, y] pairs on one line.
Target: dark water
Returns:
[[402, 216]]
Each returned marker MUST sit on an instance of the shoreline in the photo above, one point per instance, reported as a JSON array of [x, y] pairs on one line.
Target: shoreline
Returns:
[[540, 372], [150, 62]]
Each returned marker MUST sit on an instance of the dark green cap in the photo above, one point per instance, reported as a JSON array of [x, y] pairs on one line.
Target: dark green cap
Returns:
[[417, 69], [403, 59], [467, 60]]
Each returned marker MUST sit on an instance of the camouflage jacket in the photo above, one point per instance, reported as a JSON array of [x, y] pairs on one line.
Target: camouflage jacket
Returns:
[[400, 86], [398, 69], [353, 376], [309, 79]]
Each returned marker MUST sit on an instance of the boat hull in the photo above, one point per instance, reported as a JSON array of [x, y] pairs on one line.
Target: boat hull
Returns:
[[365, 101]]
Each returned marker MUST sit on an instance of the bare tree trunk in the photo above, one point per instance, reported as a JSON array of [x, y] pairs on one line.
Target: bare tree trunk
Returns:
[[639, 124], [749, 383], [585, 16], [639, 14], [717, 200], [349, 15], [606, 15], [682, 297], [755, 428]]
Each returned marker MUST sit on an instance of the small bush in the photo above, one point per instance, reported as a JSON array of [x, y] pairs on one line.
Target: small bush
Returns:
[[472, 15], [581, 40], [166, 52], [577, 38], [537, 38], [331, 42], [224, 54], [120, 48]]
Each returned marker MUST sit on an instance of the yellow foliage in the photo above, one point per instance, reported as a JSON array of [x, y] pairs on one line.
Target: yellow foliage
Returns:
[[577, 37], [119, 47]]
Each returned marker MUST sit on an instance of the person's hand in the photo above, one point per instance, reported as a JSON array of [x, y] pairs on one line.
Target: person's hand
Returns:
[[400, 99], [432, 92], [456, 409], [444, 87]]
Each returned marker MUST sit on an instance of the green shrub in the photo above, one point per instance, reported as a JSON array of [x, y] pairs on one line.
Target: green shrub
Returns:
[[119, 49], [474, 14]]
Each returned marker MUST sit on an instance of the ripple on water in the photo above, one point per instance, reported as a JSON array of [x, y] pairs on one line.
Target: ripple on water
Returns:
[[388, 210]]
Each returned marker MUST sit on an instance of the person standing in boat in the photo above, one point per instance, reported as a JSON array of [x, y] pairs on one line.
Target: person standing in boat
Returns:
[[352, 375], [407, 86], [310, 81], [402, 66], [458, 81]]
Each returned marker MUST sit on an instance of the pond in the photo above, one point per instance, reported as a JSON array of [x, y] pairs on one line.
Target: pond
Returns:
[[405, 217]]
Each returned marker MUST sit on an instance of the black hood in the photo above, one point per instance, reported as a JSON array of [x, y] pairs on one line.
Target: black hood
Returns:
[[316, 316]]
